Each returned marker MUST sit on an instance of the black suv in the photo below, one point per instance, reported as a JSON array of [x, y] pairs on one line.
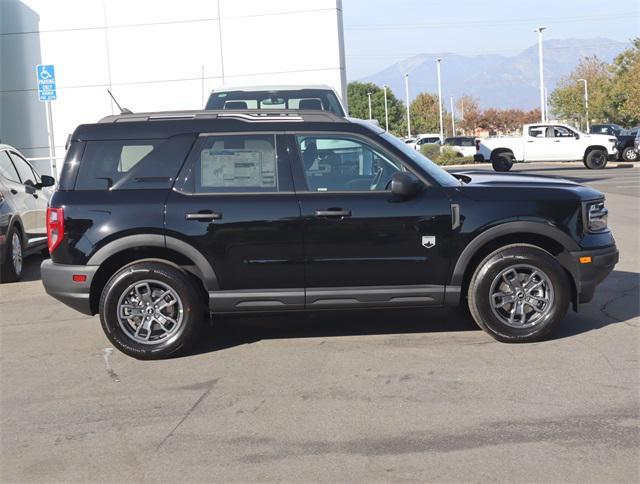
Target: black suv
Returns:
[[160, 220]]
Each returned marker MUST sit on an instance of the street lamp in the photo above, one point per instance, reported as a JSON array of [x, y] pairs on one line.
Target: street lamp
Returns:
[[369, 96], [386, 110], [586, 101], [406, 89], [453, 120], [542, 100], [438, 60]]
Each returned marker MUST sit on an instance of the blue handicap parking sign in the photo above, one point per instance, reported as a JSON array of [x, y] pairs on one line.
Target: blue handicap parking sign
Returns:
[[46, 82]]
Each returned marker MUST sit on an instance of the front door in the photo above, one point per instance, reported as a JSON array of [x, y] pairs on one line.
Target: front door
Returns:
[[235, 204], [566, 146], [363, 246]]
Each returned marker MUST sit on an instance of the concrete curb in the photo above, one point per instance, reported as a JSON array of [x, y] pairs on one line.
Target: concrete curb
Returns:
[[620, 164]]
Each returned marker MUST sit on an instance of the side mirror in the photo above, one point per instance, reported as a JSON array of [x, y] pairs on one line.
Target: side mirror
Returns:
[[576, 135], [47, 181], [405, 184]]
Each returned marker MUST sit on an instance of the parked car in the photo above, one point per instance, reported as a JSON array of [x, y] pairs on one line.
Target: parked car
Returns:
[[625, 145], [548, 142], [160, 220], [636, 143], [610, 129], [462, 145], [322, 98], [23, 205], [424, 139]]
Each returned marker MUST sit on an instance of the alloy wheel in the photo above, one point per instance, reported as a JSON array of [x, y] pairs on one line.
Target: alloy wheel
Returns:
[[16, 254]]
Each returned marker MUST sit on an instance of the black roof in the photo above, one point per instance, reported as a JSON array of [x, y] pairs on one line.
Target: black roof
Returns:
[[169, 123]]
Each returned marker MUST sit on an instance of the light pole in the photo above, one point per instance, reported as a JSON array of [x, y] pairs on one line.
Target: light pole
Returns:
[[438, 60], [406, 89], [586, 100], [369, 96], [386, 110], [453, 120], [543, 116]]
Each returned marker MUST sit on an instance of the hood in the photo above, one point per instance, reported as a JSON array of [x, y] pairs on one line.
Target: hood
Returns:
[[489, 185]]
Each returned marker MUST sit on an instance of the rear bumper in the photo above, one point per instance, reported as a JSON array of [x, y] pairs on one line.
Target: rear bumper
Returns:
[[58, 282], [589, 275]]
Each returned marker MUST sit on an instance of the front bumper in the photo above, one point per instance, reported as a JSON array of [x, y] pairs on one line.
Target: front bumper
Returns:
[[58, 282], [588, 275]]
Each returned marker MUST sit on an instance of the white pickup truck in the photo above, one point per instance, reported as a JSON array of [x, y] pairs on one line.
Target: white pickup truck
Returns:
[[548, 142]]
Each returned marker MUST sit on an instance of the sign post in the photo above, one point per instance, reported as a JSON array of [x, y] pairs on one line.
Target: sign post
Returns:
[[46, 93]]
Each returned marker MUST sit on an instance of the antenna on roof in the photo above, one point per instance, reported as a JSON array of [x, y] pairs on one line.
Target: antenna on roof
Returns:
[[122, 110]]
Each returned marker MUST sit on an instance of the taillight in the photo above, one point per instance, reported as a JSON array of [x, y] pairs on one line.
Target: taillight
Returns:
[[55, 227]]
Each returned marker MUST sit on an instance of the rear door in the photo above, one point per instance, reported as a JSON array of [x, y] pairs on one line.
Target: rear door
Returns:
[[38, 199], [538, 144], [23, 196], [363, 246], [235, 203]]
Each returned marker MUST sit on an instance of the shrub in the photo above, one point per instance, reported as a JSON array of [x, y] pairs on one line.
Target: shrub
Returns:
[[431, 151], [448, 155]]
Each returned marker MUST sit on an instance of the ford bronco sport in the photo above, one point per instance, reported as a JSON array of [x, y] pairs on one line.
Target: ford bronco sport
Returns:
[[161, 220]]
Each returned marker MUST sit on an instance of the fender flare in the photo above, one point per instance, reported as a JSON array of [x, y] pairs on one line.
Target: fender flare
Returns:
[[209, 278], [508, 228]]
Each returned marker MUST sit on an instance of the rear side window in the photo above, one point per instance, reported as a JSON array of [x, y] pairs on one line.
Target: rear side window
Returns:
[[235, 163], [7, 169], [132, 164]]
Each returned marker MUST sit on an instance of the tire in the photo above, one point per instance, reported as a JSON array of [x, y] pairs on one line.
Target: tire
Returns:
[[596, 159], [630, 154], [11, 269], [488, 284], [138, 287], [502, 162]]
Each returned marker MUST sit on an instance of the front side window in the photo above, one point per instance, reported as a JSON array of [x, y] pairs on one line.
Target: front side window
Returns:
[[336, 163], [24, 170], [236, 164], [562, 132], [7, 170]]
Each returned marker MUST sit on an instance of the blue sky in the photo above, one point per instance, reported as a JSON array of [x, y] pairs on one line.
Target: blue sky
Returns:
[[379, 33]]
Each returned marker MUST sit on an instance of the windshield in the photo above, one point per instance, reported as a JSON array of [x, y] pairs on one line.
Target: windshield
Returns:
[[433, 170], [321, 99]]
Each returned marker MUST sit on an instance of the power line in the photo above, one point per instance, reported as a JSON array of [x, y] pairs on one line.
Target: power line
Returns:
[[494, 23]]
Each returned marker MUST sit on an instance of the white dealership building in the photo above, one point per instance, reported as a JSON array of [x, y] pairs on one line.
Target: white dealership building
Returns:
[[153, 56]]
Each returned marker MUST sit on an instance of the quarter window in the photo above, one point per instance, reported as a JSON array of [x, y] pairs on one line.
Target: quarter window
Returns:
[[344, 164], [236, 163]]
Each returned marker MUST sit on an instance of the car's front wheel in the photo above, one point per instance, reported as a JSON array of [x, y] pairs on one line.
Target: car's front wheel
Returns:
[[630, 154], [150, 310], [596, 159], [519, 293]]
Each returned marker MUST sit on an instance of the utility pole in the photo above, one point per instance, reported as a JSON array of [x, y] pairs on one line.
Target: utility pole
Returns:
[[453, 120], [586, 101], [543, 111], [406, 89], [369, 96], [386, 110], [438, 60]]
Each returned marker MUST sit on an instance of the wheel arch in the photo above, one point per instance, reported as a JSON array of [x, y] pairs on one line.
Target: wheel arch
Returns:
[[591, 148], [548, 238], [149, 247], [499, 151]]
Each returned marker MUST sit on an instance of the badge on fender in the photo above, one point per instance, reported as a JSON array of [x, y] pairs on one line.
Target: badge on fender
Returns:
[[428, 241]]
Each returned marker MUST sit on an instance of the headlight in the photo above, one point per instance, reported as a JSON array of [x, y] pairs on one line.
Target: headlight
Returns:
[[596, 216]]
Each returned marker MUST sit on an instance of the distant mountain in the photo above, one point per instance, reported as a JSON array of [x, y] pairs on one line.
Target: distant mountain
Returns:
[[496, 80]]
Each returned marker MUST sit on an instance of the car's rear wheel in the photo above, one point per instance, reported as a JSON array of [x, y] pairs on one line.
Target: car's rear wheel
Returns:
[[596, 159], [519, 293], [502, 162], [11, 269], [630, 154], [150, 310]]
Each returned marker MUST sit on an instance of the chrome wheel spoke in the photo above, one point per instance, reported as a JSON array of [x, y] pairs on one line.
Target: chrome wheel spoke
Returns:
[[131, 311], [143, 291], [501, 299]]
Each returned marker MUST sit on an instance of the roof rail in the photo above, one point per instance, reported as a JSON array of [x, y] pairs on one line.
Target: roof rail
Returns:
[[246, 115]]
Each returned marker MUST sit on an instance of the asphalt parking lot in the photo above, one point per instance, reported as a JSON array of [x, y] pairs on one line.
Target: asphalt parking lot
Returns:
[[369, 396]]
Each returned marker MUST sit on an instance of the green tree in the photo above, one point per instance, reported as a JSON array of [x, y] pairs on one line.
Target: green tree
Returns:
[[359, 105], [624, 95], [567, 100], [425, 117]]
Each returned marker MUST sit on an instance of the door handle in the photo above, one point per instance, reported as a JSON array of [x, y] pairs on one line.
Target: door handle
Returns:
[[204, 216], [14, 191], [333, 212], [530, 141], [556, 141]]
